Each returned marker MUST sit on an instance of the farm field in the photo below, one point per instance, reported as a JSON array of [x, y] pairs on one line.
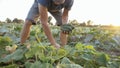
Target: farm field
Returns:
[[88, 47]]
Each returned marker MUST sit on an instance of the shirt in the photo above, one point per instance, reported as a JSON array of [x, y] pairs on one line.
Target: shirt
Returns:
[[52, 7]]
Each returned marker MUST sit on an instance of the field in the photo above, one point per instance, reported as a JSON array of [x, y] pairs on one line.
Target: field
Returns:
[[88, 47]]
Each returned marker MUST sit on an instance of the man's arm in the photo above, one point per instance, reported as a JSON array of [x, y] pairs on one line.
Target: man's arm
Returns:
[[63, 36], [44, 21], [65, 16]]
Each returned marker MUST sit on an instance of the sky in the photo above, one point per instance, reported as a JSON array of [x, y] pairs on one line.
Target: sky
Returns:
[[104, 12]]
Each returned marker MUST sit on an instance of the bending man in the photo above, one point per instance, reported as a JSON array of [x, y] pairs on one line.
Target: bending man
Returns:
[[59, 9]]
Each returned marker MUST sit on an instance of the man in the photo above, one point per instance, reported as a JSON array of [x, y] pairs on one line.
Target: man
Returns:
[[40, 10]]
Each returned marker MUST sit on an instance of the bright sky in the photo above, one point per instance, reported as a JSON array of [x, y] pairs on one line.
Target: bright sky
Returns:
[[99, 11]]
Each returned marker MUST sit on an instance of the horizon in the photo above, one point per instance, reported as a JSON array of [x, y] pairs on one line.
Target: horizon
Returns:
[[100, 12]]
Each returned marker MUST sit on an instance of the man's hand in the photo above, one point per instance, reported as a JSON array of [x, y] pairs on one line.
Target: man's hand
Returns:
[[67, 28], [57, 46]]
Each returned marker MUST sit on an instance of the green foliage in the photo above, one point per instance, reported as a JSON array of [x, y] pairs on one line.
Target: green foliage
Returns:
[[17, 55], [69, 66], [82, 51], [5, 41], [83, 55]]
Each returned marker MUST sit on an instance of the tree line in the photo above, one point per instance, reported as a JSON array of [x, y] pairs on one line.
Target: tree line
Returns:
[[88, 23], [15, 20]]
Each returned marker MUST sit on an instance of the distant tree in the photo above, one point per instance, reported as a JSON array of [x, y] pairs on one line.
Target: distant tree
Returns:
[[16, 20], [83, 24], [21, 21], [8, 20], [89, 22], [74, 22]]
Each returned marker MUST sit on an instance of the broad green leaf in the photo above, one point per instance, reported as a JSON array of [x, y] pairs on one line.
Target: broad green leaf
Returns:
[[46, 65], [4, 29], [50, 48], [28, 64], [88, 57], [36, 50], [65, 60], [43, 58], [114, 64], [69, 66], [37, 64], [90, 47], [61, 52], [5, 41], [8, 58], [117, 39], [88, 38], [17, 55], [79, 46], [103, 59], [89, 65]]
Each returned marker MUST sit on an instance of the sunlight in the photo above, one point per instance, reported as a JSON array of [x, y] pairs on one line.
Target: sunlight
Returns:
[[88, 10]]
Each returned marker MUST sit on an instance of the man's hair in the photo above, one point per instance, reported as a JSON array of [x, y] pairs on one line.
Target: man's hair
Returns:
[[59, 1]]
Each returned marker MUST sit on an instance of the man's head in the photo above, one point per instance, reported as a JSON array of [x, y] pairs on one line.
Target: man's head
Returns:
[[57, 2]]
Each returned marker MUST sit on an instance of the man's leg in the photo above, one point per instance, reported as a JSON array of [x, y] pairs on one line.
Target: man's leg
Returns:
[[58, 18], [63, 38], [25, 31], [32, 15]]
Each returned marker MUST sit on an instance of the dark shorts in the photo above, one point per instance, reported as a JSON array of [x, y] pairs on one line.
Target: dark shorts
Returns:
[[33, 14]]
